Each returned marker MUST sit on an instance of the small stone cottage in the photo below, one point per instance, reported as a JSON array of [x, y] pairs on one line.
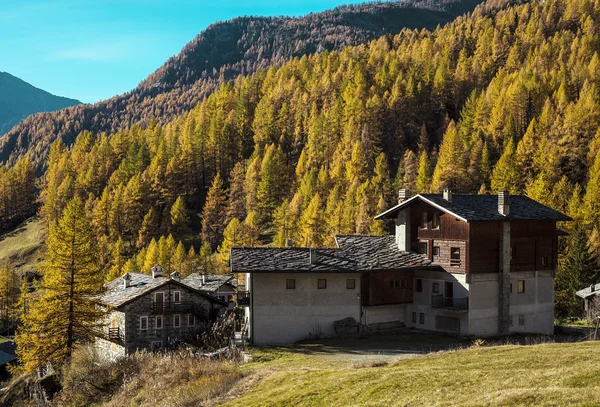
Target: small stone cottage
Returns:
[[152, 311], [221, 286]]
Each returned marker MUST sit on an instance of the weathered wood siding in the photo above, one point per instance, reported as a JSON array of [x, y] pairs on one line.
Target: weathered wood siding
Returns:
[[531, 241], [383, 288]]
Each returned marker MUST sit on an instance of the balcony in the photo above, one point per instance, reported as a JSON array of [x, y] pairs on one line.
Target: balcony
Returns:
[[114, 335], [438, 301], [243, 298], [184, 307]]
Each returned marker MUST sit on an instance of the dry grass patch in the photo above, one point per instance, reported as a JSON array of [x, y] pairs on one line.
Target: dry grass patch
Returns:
[[536, 375]]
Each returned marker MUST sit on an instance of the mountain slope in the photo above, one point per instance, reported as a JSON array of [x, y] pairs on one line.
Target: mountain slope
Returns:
[[221, 53], [18, 99]]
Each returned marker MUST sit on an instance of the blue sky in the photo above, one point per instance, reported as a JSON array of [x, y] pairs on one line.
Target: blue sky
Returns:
[[94, 49]]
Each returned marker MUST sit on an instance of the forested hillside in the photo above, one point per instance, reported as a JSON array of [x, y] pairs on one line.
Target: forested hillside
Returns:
[[220, 53], [506, 98], [18, 99]]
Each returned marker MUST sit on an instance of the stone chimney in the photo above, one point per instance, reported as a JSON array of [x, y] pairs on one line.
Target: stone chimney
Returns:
[[593, 287], [313, 256], [157, 271], [175, 276], [403, 195], [447, 195], [203, 278], [504, 203], [126, 280]]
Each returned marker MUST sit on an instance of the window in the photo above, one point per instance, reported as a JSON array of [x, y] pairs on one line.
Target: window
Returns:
[[544, 261], [436, 288], [391, 283], [321, 284], [159, 322], [414, 317], [403, 283], [436, 220], [436, 250], [424, 220], [419, 285], [421, 318], [397, 283], [350, 284], [176, 297], [143, 323], [521, 320], [521, 286], [191, 320], [177, 321], [455, 256], [290, 284], [422, 247]]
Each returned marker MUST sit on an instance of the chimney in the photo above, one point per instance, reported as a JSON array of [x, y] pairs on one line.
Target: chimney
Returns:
[[175, 276], [313, 256], [403, 195], [203, 278], [126, 280], [447, 195], [157, 271], [593, 288], [504, 203]]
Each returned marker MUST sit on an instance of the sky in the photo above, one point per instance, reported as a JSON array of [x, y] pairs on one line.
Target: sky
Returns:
[[91, 50]]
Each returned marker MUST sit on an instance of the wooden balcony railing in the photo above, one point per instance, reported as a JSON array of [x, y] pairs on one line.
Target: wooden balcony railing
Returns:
[[110, 334], [453, 304], [184, 307]]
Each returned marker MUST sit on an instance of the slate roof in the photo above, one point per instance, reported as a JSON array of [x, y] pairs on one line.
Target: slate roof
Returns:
[[354, 254], [479, 208], [116, 294], [212, 282], [587, 292], [8, 351]]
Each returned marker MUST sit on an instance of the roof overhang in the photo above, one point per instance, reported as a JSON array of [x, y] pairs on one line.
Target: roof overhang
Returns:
[[393, 211]]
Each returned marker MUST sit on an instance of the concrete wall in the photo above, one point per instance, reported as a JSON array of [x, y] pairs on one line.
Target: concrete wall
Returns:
[[379, 314], [280, 315], [483, 304], [533, 310], [422, 301]]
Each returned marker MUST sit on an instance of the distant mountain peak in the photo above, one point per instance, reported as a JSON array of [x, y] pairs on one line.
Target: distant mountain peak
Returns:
[[19, 99]]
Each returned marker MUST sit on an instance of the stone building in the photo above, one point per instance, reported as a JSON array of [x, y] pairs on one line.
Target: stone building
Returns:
[[152, 311], [464, 264]]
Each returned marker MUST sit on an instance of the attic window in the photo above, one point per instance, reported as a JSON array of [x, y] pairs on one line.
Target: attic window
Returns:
[[176, 297], [436, 220], [424, 220], [455, 256]]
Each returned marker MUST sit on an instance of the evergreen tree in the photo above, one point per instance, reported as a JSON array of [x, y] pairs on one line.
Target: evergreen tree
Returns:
[[312, 224], [213, 214], [506, 174], [179, 218], [233, 236], [67, 310]]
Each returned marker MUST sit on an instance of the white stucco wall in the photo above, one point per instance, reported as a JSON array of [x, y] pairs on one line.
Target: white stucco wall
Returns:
[[422, 300], [535, 305], [280, 315]]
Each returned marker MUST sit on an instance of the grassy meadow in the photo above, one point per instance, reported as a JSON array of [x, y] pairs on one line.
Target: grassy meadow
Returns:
[[535, 375]]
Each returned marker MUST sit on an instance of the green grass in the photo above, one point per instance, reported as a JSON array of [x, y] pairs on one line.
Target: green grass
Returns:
[[535, 375], [24, 246]]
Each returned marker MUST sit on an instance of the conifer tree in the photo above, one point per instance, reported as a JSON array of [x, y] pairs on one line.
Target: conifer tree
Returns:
[[312, 224], [233, 236], [67, 309], [118, 261], [179, 258], [214, 213], [9, 296], [179, 218], [236, 201], [506, 174], [148, 229], [423, 183], [451, 168], [151, 257]]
